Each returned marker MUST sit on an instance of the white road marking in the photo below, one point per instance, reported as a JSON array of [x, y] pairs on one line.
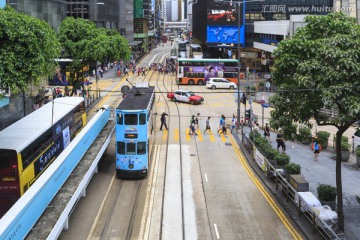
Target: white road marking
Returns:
[[206, 179], [217, 232], [149, 202]]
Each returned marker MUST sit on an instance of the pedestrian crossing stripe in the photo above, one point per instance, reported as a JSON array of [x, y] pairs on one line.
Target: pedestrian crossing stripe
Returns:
[[200, 135]]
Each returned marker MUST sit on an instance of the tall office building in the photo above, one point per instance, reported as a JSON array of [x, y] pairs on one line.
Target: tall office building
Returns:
[[171, 10]]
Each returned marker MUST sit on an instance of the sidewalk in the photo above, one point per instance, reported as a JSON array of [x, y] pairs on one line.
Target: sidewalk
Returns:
[[323, 172]]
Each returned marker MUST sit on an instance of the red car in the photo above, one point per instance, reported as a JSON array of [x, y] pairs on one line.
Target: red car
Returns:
[[185, 96]]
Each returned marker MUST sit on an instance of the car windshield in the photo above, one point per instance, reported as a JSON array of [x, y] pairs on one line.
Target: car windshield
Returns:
[[191, 93]]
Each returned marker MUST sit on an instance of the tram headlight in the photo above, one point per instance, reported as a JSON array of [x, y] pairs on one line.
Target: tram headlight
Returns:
[[131, 166]]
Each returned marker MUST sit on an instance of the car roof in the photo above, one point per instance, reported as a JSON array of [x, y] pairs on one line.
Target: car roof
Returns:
[[180, 90], [217, 78]]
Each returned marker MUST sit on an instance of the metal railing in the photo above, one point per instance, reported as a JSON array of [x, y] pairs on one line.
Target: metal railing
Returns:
[[324, 228]]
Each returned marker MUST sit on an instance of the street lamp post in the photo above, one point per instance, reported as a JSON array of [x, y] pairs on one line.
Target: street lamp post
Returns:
[[239, 63]]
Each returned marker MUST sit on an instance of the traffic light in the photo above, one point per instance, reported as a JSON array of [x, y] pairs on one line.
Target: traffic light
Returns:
[[247, 114], [243, 100]]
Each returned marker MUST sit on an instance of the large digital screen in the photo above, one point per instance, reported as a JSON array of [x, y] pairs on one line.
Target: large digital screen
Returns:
[[224, 13], [225, 34]]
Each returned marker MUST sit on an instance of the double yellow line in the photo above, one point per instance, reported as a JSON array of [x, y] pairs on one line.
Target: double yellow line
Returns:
[[263, 191]]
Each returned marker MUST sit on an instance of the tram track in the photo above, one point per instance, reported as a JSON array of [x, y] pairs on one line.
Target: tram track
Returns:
[[124, 199]]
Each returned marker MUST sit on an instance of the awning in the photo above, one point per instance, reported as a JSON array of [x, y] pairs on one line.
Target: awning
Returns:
[[134, 43]]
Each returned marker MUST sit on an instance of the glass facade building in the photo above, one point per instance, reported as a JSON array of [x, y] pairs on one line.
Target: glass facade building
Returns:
[[217, 24]]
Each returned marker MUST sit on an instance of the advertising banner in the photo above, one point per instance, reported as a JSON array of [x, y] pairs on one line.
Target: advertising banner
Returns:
[[225, 34], [211, 69], [260, 160], [223, 13]]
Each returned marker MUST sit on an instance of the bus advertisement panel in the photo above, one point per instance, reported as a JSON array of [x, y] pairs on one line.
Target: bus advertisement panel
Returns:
[[198, 71]]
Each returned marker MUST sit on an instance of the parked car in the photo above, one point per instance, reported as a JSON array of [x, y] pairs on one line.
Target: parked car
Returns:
[[214, 83], [185, 96]]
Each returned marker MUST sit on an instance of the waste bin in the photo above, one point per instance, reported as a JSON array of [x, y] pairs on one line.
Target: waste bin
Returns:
[[118, 73]]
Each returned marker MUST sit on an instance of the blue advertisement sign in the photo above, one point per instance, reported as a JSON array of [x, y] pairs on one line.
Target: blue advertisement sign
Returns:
[[2, 3], [225, 34]]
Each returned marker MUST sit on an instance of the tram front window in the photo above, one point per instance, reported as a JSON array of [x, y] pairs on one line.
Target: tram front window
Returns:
[[130, 148], [141, 148], [119, 118], [131, 119], [142, 118], [120, 147]]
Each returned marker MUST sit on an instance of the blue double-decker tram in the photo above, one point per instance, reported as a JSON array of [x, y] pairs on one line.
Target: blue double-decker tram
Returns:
[[134, 126]]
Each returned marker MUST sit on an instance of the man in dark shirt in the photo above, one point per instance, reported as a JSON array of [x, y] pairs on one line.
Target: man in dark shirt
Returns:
[[163, 120], [280, 141]]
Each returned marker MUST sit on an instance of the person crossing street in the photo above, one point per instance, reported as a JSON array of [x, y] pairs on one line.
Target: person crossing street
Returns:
[[163, 120]]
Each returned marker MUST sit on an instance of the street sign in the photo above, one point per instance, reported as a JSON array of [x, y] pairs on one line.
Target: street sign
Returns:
[[265, 105]]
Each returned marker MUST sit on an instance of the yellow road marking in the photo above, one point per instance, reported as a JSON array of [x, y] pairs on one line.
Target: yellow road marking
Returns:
[[176, 135], [212, 138], [199, 135], [101, 103], [263, 191], [223, 138], [187, 131], [164, 134]]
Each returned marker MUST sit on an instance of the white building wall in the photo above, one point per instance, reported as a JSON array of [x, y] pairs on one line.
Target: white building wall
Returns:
[[286, 28], [272, 27]]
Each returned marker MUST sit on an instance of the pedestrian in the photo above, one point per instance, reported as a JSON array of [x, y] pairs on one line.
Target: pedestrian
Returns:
[[267, 132], [223, 129], [256, 127], [316, 149], [207, 127], [197, 118], [192, 129], [221, 124], [234, 124], [280, 141], [163, 120], [192, 125]]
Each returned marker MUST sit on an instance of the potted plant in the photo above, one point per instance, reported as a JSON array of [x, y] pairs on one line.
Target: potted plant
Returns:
[[261, 86], [304, 135], [270, 154], [282, 159], [323, 137], [357, 153], [327, 195], [291, 169], [345, 149]]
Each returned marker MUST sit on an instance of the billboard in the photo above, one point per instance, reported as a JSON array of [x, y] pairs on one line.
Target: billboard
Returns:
[[223, 23], [225, 34], [223, 13]]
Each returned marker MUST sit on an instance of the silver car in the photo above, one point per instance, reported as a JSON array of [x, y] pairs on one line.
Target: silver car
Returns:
[[214, 83]]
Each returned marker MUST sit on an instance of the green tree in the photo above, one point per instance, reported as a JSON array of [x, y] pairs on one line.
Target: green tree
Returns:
[[83, 42], [28, 47], [320, 69]]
